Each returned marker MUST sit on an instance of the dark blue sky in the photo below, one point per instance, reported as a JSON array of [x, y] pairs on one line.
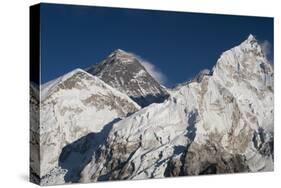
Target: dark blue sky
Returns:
[[178, 44]]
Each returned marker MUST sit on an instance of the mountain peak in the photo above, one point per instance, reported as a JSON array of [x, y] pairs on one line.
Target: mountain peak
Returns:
[[119, 53], [251, 41], [251, 45], [124, 71], [251, 38], [246, 61], [76, 74]]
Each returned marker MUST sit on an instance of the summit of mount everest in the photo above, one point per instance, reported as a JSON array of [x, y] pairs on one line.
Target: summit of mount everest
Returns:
[[124, 71], [114, 121]]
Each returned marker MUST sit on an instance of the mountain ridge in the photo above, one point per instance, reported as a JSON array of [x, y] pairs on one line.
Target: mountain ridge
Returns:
[[204, 127], [68, 107], [221, 121]]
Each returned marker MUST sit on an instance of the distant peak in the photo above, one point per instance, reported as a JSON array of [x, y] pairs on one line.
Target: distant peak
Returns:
[[76, 71], [122, 55], [251, 37], [251, 44], [119, 51]]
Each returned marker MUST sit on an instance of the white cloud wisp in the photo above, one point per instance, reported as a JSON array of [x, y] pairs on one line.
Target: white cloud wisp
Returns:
[[153, 71], [267, 49]]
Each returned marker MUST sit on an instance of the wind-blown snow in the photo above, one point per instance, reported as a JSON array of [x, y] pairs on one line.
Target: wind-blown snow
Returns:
[[125, 72]]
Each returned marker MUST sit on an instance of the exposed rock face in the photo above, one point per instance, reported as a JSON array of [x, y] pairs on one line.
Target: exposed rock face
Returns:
[[71, 107], [123, 71], [219, 122]]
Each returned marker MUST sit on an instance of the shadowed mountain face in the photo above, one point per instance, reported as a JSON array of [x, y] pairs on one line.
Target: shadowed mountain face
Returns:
[[123, 71], [75, 156]]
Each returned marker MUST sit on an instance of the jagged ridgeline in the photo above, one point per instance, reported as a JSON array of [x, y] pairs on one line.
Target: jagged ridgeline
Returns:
[[114, 121]]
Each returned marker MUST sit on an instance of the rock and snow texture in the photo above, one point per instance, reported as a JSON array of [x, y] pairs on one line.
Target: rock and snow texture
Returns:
[[124, 71], [71, 107], [219, 122], [34, 133]]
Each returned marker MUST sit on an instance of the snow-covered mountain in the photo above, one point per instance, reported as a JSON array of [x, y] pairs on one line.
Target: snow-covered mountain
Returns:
[[71, 107], [219, 122], [124, 71]]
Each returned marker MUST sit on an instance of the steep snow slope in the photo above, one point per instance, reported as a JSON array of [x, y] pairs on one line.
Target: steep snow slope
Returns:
[[123, 71], [220, 123], [71, 107]]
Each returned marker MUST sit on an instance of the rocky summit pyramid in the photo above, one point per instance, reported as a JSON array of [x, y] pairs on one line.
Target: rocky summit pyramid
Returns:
[[124, 71], [219, 122]]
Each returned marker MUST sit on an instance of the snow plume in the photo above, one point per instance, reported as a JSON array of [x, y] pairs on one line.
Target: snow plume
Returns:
[[153, 71], [267, 49]]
